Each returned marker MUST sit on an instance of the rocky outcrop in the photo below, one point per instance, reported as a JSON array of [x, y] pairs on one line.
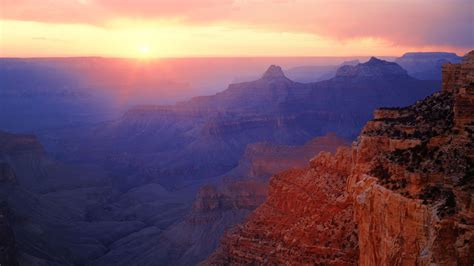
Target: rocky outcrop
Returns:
[[262, 160], [237, 195], [307, 219], [406, 185], [412, 180], [457, 76], [273, 72]]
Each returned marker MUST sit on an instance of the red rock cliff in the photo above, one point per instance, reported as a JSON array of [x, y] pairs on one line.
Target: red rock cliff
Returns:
[[412, 179], [307, 219], [403, 195]]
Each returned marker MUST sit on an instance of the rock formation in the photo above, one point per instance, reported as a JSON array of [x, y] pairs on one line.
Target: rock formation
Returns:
[[407, 186], [206, 136], [307, 219], [412, 180], [374, 68], [426, 65], [273, 72], [218, 206]]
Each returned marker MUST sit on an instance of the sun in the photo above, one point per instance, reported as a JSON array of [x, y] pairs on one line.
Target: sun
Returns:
[[144, 51]]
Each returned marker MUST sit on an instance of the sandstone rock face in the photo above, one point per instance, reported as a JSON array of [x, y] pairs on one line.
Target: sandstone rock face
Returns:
[[262, 160], [307, 219], [413, 203], [456, 76], [403, 195]]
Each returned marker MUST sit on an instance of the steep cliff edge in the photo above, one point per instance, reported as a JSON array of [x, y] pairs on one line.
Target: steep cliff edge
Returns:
[[307, 219], [412, 179], [403, 195]]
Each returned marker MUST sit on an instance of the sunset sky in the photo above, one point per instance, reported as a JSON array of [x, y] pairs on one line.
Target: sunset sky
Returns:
[[180, 28]]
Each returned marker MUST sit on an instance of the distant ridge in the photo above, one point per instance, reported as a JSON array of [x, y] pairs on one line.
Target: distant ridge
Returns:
[[374, 68], [426, 65]]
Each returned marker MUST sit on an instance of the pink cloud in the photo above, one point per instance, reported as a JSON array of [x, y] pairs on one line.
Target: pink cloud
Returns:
[[404, 22]]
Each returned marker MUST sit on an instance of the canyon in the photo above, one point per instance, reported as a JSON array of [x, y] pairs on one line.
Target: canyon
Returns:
[[402, 195], [165, 182], [175, 145], [87, 220]]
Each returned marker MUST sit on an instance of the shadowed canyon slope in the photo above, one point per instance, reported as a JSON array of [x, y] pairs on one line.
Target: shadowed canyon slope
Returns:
[[67, 92], [403, 194], [79, 221], [207, 135], [227, 202], [58, 214]]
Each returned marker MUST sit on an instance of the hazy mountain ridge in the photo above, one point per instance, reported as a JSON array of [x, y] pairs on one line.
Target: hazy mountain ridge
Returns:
[[426, 65], [395, 198], [208, 134]]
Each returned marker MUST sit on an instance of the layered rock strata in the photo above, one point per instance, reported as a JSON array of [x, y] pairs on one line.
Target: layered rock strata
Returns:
[[403, 195], [307, 219]]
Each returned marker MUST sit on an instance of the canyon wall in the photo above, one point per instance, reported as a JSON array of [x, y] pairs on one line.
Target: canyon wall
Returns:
[[403, 195], [412, 180], [307, 219]]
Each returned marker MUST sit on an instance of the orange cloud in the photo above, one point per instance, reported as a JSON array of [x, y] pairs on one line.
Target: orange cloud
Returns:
[[420, 24]]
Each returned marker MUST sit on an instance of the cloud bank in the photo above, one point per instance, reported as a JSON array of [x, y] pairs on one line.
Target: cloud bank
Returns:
[[429, 23]]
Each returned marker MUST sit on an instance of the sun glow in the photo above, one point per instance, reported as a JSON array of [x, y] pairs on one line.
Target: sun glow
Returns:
[[144, 51], [132, 39]]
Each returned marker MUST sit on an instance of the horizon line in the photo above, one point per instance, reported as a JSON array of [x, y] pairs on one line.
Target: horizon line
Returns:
[[212, 56]]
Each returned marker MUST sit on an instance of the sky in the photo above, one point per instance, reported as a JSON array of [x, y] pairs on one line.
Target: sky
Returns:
[[201, 28]]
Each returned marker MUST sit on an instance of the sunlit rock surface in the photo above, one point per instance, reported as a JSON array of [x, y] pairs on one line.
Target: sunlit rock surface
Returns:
[[404, 192]]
